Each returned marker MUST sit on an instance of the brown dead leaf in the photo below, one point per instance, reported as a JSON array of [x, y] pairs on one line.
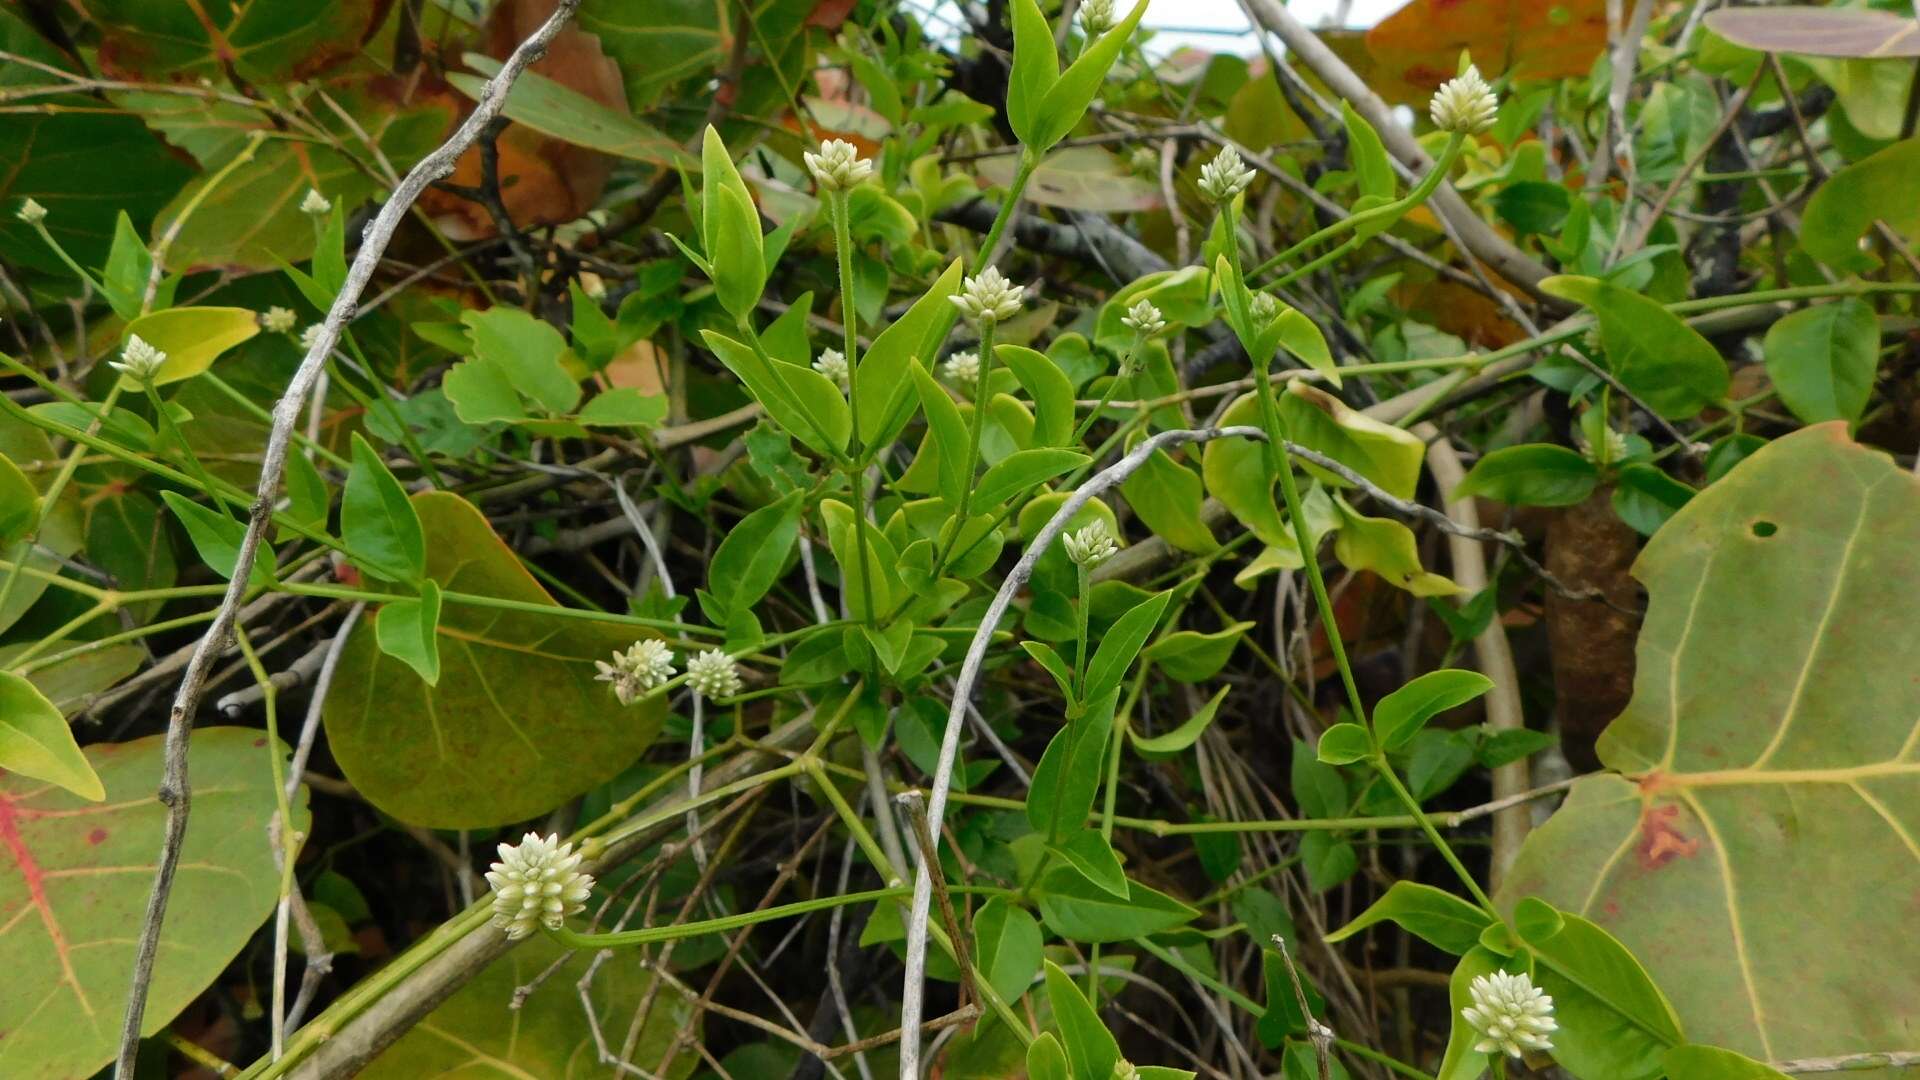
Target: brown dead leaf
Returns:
[[1536, 39], [543, 181]]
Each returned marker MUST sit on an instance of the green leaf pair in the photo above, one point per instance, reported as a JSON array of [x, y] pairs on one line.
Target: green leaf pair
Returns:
[[1043, 102]]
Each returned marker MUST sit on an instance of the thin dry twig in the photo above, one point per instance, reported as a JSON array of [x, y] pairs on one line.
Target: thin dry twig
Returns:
[[175, 792], [912, 996]]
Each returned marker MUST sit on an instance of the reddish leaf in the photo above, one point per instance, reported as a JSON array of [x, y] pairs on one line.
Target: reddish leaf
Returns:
[[1535, 39], [265, 42]]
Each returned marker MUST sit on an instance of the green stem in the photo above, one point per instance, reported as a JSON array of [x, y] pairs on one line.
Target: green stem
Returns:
[[51, 497], [1126, 371], [974, 429], [1080, 640], [1385, 214], [170, 433], [856, 470]]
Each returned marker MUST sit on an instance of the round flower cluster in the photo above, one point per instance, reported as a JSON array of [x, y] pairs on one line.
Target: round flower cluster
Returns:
[[1511, 1014], [640, 667], [833, 364], [1464, 105], [536, 882], [962, 369], [139, 361], [838, 166], [1225, 176], [713, 674], [1144, 319], [989, 298]]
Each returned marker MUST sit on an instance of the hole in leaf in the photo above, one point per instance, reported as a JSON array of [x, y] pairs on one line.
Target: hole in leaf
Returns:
[[1764, 529]]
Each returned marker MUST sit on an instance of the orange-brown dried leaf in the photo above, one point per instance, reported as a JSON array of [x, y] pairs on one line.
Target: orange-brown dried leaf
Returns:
[[1420, 44], [543, 180]]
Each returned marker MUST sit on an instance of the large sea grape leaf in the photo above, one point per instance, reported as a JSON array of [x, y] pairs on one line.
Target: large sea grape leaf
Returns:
[[476, 1035], [1420, 44], [57, 159], [286, 40], [74, 877], [516, 725], [1757, 840]]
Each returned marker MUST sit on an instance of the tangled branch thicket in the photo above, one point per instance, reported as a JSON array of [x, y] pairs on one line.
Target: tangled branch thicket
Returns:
[[551, 538]]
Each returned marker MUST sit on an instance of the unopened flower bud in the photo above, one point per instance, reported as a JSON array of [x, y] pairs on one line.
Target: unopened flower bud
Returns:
[[1091, 545], [838, 166], [535, 882], [1144, 319], [1464, 105], [1096, 16], [961, 369], [277, 320], [989, 298], [1225, 176], [31, 212], [1511, 1014], [833, 364], [310, 336], [1264, 308], [139, 361], [713, 674], [315, 203]]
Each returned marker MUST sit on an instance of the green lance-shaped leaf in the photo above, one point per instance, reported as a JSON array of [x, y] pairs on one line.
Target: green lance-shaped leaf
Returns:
[[1091, 1048], [377, 522], [192, 337], [1067, 778], [1747, 765], [1191, 656], [1343, 744], [1367, 155], [1021, 470], [1875, 188], [1046, 1060], [36, 741], [1008, 946], [1532, 474], [1693, 1062], [1079, 910], [947, 432], [1050, 389], [1185, 735], [1036, 67], [409, 630], [748, 561], [771, 387], [1614, 1022], [216, 539], [1067, 99], [1822, 359], [1090, 853], [1122, 643], [1404, 712], [884, 389], [1437, 917], [1658, 357]]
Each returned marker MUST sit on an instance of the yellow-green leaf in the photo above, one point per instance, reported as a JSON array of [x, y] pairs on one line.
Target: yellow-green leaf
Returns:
[[36, 741], [192, 337]]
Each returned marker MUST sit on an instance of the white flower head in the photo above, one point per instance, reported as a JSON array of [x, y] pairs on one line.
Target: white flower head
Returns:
[[1264, 308], [315, 203], [1225, 176], [833, 364], [637, 669], [838, 166], [31, 212], [1091, 545], [138, 361], [535, 881], [1511, 1014], [277, 320], [1096, 16], [961, 369], [1144, 319], [713, 674], [989, 298], [1464, 104], [309, 337], [1144, 159]]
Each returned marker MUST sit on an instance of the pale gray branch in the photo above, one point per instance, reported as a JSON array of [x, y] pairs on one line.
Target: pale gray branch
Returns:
[[175, 793], [912, 996]]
